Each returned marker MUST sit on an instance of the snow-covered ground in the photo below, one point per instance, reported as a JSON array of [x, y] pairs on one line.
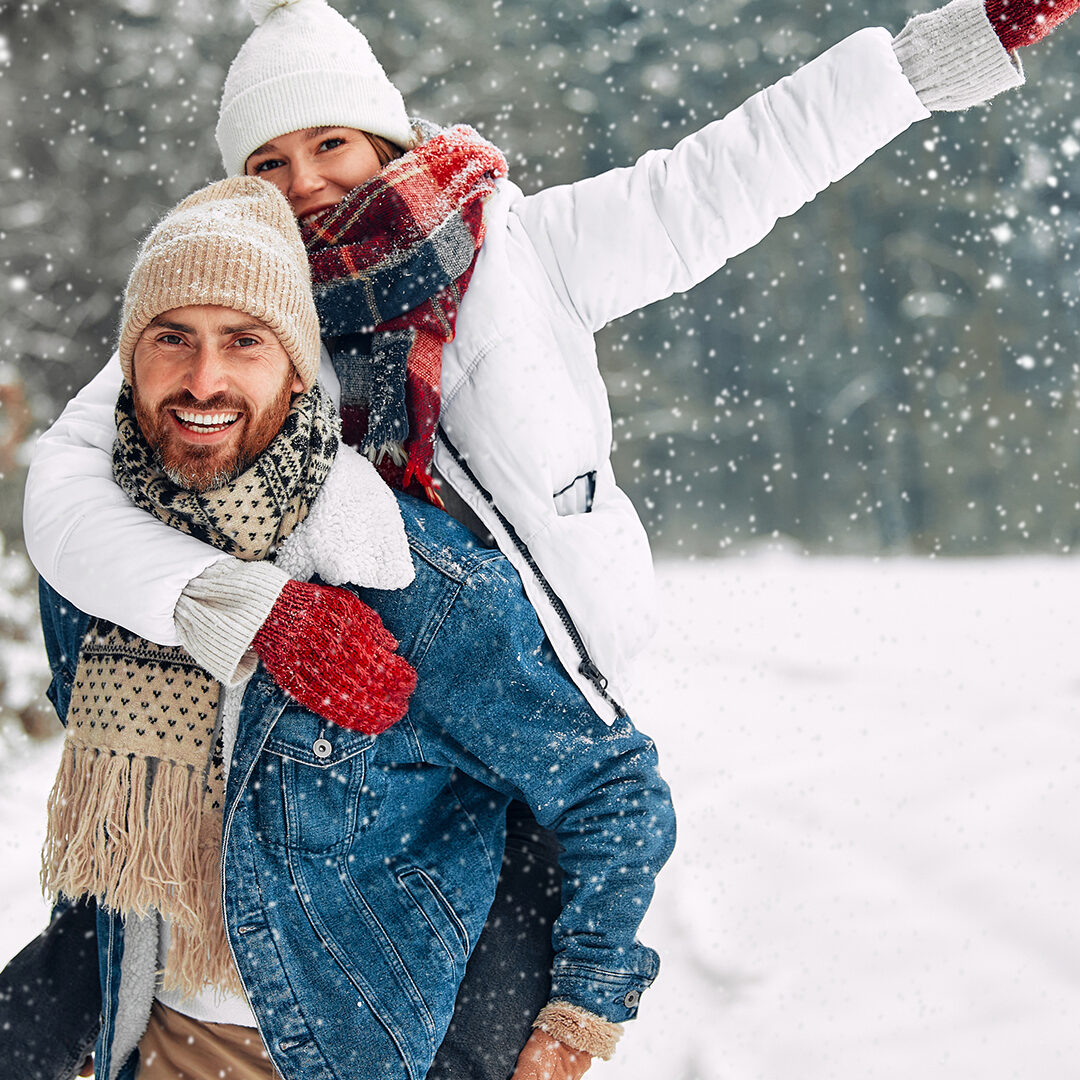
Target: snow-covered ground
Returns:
[[877, 772]]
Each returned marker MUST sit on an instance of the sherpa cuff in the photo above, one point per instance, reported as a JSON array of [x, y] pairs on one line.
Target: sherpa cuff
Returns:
[[953, 58], [579, 1029], [220, 612]]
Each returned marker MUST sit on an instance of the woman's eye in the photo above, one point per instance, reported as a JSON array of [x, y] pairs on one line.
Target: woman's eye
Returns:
[[266, 165], [332, 143]]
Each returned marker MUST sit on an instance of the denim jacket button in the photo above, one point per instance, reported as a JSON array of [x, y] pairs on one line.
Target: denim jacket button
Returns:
[[632, 998], [322, 749]]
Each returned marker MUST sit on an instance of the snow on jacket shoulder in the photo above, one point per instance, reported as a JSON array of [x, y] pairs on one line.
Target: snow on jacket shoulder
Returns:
[[525, 428]]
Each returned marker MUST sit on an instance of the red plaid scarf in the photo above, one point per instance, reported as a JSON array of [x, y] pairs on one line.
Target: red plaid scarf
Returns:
[[389, 266]]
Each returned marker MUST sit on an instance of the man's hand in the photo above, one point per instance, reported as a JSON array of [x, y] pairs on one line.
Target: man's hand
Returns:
[[1023, 22], [331, 652], [545, 1058], [87, 1068]]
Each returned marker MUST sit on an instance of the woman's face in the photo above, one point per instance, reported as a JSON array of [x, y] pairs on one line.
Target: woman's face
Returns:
[[316, 168]]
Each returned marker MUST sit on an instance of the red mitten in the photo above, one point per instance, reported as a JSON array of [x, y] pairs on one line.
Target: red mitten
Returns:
[[331, 652], [1023, 22]]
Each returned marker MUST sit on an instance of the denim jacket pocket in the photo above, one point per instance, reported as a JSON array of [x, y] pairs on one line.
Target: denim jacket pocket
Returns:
[[302, 736], [438, 912], [310, 791]]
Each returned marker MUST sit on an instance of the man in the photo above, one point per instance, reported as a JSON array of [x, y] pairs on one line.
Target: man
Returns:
[[353, 858]]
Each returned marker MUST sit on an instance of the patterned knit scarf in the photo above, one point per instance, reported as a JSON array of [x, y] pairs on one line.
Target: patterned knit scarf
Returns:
[[389, 265], [135, 815]]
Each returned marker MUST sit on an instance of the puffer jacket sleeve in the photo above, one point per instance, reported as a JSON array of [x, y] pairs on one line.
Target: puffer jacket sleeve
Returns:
[[628, 237], [84, 535]]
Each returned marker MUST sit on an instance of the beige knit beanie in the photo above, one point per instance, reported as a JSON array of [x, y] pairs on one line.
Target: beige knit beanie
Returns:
[[235, 244], [304, 66]]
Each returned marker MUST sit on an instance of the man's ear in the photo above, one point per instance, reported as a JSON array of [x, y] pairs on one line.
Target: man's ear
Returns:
[[297, 384]]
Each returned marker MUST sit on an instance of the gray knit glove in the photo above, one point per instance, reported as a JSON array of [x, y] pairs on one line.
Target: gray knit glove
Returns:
[[953, 57]]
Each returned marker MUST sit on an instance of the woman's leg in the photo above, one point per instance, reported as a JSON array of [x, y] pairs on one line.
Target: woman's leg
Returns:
[[50, 998], [509, 974]]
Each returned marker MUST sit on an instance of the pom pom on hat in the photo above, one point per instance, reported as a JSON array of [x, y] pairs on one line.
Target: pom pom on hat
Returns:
[[260, 9], [303, 66]]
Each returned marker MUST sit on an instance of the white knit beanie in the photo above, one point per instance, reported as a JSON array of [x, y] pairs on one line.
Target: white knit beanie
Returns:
[[234, 244], [304, 66]]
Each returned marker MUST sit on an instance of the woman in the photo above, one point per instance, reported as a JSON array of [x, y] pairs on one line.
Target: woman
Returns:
[[458, 314]]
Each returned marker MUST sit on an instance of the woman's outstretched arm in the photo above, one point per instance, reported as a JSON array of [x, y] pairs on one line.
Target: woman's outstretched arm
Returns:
[[628, 237]]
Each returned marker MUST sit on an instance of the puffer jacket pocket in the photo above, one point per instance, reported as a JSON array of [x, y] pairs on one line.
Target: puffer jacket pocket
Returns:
[[577, 496]]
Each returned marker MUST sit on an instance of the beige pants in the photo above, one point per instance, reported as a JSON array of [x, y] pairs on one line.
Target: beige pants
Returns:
[[176, 1047]]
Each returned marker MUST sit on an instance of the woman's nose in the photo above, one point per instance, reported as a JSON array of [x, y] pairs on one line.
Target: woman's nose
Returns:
[[305, 181]]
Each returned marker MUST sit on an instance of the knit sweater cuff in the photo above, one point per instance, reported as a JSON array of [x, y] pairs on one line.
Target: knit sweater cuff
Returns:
[[953, 58], [579, 1029], [220, 612]]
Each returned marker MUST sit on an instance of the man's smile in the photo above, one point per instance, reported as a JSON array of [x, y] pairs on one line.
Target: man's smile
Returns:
[[204, 423]]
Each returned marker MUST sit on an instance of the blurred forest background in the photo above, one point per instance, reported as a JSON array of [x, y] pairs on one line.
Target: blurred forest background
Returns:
[[893, 370]]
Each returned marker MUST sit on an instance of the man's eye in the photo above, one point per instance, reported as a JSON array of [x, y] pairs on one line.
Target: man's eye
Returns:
[[171, 339], [246, 342]]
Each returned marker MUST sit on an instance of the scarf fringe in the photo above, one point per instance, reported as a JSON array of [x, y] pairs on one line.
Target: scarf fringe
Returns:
[[112, 836], [140, 844], [199, 956], [417, 473], [392, 450]]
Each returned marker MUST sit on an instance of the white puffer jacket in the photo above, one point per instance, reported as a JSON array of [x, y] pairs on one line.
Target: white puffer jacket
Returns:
[[525, 429]]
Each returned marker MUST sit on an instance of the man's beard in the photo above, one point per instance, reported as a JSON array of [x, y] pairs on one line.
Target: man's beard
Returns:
[[207, 468]]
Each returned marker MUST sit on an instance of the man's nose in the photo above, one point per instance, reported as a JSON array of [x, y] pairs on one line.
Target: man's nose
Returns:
[[206, 372]]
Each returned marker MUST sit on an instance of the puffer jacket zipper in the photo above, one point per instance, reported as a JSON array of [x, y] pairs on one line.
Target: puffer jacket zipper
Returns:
[[586, 667]]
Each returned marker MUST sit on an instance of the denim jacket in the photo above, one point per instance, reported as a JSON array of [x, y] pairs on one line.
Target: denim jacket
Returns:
[[358, 870]]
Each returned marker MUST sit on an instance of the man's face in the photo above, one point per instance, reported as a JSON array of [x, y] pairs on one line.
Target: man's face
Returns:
[[212, 387]]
